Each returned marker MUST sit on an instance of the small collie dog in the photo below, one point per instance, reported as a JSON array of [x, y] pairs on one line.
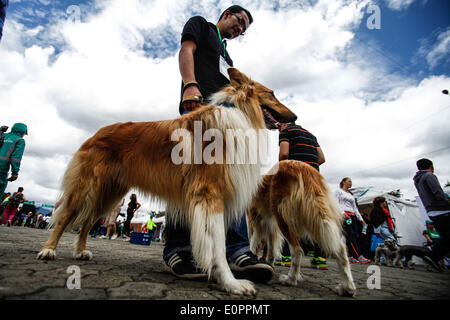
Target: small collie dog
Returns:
[[293, 202], [207, 197]]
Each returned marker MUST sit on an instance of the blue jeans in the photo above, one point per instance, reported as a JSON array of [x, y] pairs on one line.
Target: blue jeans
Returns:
[[384, 232], [178, 239]]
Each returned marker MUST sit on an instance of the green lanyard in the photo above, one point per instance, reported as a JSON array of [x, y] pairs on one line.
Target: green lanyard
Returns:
[[222, 42]]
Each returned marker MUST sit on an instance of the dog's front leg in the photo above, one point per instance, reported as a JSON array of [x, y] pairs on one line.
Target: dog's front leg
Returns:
[[398, 261], [208, 247]]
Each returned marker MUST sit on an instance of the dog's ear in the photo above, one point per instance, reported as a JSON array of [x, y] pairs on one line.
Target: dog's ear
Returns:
[[237, 78]]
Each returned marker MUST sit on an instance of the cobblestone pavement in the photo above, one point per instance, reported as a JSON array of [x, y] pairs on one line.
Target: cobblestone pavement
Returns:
[[121, 270]]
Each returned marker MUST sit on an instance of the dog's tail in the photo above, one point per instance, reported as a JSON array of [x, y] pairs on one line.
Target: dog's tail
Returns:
[[322, 218], [328, 221]]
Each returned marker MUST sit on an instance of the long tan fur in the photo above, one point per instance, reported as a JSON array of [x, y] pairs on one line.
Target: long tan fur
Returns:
[[293, 203], [140, 155]]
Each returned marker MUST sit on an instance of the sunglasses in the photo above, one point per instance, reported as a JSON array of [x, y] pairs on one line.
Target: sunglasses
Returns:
[[241, 21]]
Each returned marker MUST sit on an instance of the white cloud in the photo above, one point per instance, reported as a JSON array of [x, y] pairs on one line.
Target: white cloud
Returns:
[[101, 74], [398, 4], [439, 52]]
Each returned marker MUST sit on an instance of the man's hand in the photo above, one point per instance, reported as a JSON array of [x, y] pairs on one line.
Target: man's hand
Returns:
[[191, 91], [13, 177]]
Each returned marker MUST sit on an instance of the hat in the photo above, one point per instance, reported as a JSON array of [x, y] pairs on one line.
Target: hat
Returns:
[[428, 222]]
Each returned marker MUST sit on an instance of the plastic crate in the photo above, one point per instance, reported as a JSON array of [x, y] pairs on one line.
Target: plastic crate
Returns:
[[140, 238]]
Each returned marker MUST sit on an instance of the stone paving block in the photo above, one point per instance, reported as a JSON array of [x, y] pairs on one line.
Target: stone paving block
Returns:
[[121, 270]]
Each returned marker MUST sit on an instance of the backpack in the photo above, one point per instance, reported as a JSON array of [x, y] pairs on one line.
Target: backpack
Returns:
[[2, 134], [15, 200]]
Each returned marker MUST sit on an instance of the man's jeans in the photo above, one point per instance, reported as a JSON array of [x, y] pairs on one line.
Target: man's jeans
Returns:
[[442, 225], [178, 239], [384, 232]]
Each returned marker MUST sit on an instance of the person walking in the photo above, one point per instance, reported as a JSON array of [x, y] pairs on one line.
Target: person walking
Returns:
[[437, 205], [381, 219], [297, 143], [151, 225], [133, 205], [110, 222], [347, 202], [203, 64], [11, 152], [12, 206]]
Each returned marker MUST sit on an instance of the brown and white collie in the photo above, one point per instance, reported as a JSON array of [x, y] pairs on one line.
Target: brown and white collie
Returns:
[[293, 202], [146, 156]]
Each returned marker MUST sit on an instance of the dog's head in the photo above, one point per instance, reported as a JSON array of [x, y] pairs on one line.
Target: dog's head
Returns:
[[390, 244], [256, 101]]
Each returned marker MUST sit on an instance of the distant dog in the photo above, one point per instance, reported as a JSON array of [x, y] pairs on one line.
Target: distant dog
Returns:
[[293, 203], [389, 250], [408, 252]]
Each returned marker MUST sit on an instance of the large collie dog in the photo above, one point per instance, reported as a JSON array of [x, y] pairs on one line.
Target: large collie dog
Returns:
[[293, 203], [149, 157]]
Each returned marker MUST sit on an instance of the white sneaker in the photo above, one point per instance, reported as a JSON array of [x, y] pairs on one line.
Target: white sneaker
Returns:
[[113, 237], [102, 237]]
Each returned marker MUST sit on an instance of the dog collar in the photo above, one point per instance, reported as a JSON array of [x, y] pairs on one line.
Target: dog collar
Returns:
[[227, 105]]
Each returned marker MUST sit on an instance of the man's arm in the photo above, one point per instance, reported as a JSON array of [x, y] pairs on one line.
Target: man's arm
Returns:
[[186, 65], [435, 188], [16, 157], [284, 151], [321, 156]]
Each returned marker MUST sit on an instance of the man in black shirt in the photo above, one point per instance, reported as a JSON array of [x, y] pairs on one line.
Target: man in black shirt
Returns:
[[297, 143], [203, 62]]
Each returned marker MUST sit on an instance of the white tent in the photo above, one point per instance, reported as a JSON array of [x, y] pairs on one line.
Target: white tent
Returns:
[[408, 218], [140, 216]]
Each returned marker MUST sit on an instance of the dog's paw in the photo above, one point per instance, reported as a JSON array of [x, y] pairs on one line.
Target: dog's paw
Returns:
[[83, 255], [345, 291], [286, 280], [240, 287], [46, 254]]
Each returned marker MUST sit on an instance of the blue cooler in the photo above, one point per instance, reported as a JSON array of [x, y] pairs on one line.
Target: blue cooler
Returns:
[[140, 238], [375, 242]]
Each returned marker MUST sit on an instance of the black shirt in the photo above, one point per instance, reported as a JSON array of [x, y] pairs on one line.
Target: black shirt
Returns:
[[302, 145], [207, 55]]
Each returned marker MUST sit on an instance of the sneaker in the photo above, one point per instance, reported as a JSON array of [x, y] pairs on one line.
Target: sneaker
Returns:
[[432, 263], [286, 261], [319, 263], [353, 260], [113, 237], [278, 262], [182, 265], [248, 267], [363, 260], [102, 237]]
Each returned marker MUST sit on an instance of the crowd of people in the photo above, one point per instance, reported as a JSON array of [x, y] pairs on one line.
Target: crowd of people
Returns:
[[15, 212], [12, 213]]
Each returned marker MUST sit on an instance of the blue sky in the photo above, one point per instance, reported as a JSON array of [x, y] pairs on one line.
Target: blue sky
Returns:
[[403, 32], [372, 97]]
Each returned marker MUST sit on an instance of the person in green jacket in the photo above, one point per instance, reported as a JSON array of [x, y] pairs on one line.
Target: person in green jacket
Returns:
[[150, 228], [11, 152]]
